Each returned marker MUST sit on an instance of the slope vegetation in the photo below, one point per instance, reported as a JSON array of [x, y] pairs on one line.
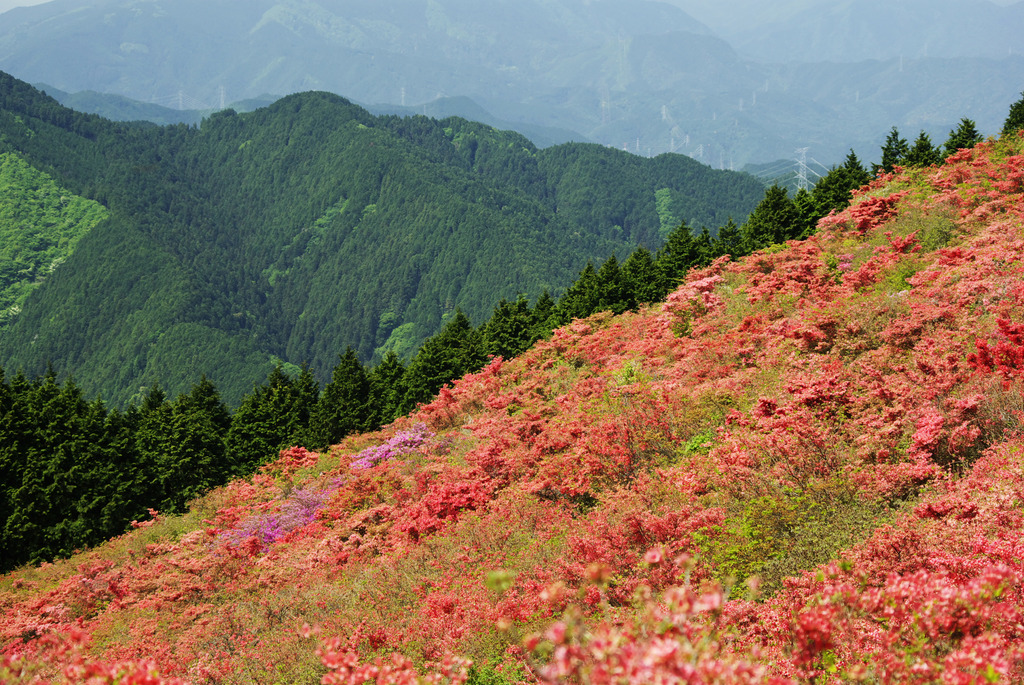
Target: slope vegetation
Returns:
[[806, 464], [302, 228]]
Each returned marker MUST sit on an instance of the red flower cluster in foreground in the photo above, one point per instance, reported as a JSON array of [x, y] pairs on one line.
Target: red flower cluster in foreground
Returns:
[[805, 465]]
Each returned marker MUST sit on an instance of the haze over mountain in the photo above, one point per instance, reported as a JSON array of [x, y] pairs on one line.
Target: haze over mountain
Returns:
[[858, 30], [648, 76]]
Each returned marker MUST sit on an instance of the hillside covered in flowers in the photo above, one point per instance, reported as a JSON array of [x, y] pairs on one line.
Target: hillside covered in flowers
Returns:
[[806, 465]]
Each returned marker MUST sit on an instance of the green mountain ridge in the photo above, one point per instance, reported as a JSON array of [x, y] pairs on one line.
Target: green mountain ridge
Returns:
[[293, 231]]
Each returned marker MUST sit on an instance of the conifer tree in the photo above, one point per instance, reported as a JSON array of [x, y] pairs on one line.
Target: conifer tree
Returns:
[[511, 329], [344, 405], [612, 293], [452, 353], [545, 315], [729, 241], [834, 190], [641, 277], [963, 136], [705, 247], [154, 429], [807, 210], [1015, 118], [894, 151], [580, 299], [267, 421], [307, 396], [922, 152], [676, 256], [774, 220], [197, 456], [387, 389]]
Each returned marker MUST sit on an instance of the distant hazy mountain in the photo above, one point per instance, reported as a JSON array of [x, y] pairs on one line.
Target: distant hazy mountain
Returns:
[[642, 75], [858, 30]]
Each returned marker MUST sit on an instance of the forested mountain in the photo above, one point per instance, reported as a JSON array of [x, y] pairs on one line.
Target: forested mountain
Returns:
[[296, 230]]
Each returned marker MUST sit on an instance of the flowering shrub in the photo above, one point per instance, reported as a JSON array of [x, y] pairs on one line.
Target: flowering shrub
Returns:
[[403, 442]]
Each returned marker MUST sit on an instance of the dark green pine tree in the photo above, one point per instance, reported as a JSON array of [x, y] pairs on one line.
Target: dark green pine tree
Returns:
[[612, 293], [679, 253], [545, 315], [1015, 118], [45, 523], [511, 330], [729, 241], [774, 220], [705, 247], [580, 299], [922, 153], [807, 210], [122, 501], [641, 277], [101, 501], [197, 459], [856, 175], [834, 190], [14, 428], [153, 438], [387, 389], [267, 421], [450, 354], [894, 152], [963, 136], [307, 396], [344, 405]]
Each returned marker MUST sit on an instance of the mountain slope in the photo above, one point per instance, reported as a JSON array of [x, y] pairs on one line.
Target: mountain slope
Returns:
[[299, 229], [835, 421], [40, 225], [859, 30], [644, 75]]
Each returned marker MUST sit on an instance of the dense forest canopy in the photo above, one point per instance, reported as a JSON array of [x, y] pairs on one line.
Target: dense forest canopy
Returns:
[[297, 230]]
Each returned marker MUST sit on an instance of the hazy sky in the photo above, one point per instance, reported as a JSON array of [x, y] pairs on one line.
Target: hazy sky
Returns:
[[8, 4], [694, 4]]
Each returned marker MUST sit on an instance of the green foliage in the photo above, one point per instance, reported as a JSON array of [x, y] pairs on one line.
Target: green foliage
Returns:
[[835, 190], [40, 225], [894, 151], [511, 330], [774, 220], [763, 531], [676, 256], [452, 353], [642, 278], [488, 675], [308, 226], [1015, 118], [963, 136], [581, 298], [613, 293], [923, 153], [387, 389], [344, 405], [73, 473], [272, 417], [663, 204]]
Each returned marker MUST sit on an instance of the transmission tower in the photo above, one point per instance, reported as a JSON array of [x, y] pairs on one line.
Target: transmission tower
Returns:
[[801, 167]]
